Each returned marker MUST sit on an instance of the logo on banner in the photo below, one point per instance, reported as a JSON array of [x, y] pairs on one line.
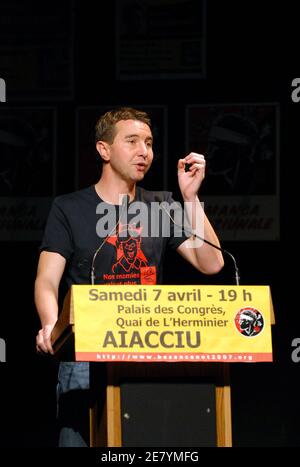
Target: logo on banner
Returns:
[[249, 322]]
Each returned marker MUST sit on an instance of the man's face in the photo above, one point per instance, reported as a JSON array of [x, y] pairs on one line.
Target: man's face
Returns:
[[131, 153]]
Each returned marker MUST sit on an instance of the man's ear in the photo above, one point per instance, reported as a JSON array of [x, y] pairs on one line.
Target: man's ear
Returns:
[[103, 149]]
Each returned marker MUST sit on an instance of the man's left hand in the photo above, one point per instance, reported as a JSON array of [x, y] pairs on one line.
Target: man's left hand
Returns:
[[189, 181]]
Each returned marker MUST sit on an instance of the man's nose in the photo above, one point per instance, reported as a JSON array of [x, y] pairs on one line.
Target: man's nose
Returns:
[[143, 149]]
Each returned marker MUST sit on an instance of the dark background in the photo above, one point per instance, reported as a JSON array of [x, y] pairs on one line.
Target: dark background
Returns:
[[252, 56]]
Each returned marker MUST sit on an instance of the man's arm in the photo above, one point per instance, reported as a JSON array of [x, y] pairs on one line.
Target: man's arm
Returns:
[[204, 257], [50, 270]]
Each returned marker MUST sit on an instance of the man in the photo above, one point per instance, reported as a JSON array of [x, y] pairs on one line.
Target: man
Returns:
[[124, 142]]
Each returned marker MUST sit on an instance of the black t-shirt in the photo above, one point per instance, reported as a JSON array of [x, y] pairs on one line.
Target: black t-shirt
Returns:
[[74, 230]]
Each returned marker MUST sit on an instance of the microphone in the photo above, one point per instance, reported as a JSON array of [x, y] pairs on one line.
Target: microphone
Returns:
[[125, 202], [236, 269]]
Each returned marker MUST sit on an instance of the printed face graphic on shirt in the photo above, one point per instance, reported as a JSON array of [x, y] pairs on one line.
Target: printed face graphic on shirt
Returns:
[[130, 257], [130, 248], [131, 266]]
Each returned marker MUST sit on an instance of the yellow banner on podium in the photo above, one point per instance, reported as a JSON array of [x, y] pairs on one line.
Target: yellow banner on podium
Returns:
[[172, 323]]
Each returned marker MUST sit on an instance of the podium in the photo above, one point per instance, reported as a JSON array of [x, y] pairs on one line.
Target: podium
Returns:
[[140, 396]]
